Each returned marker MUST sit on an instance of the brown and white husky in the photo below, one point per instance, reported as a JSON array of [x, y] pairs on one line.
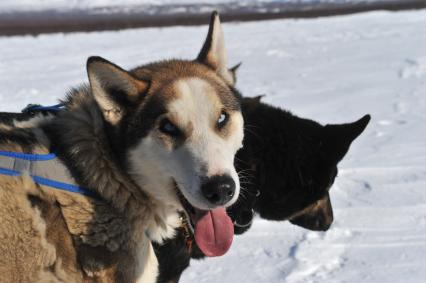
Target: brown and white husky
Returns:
[[151, 143]]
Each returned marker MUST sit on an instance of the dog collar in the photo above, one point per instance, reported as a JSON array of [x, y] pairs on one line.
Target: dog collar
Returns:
[[44, 169], [187, 231]]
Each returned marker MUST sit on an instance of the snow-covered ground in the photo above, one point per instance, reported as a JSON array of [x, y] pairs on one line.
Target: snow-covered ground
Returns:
[[332, 70], [66, 5]]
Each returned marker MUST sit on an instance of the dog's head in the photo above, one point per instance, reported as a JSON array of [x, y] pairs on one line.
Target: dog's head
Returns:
[[180, 125], [335, 143], [295, 162]]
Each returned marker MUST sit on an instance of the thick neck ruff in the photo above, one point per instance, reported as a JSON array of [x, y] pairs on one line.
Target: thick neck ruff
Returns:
[[79, 138]]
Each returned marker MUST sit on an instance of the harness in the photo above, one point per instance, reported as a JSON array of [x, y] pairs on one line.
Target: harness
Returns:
[[44, 169], [35, 108]]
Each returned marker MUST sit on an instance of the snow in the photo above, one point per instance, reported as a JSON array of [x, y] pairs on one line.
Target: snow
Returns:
[[333, 70], [66, 5]]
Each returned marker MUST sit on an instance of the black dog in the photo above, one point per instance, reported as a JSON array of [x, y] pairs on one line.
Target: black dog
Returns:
[[289, 165]]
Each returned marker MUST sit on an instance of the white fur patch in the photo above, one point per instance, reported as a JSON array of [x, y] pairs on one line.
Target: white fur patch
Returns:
[[148, 267]]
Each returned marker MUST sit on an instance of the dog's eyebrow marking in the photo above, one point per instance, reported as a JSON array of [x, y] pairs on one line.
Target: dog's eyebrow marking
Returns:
[[199, 99]]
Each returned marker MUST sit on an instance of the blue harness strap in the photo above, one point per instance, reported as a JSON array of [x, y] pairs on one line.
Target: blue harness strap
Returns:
[[28, 156], [44, 169], [32, 108]]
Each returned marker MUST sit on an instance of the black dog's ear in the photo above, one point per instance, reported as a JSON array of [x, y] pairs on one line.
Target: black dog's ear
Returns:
[[213, 53], [258, 98], [251, 103], [233, 71], [113, 88], [338, 138]]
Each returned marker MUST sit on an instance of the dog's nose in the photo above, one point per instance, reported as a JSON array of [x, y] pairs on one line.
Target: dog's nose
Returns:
[[321, 224], [218, 189]]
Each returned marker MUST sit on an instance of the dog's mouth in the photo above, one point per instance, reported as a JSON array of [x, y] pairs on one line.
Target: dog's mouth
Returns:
[[212, 229]]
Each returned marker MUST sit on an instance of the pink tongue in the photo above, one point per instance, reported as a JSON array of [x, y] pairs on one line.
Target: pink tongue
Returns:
[[214, 232]]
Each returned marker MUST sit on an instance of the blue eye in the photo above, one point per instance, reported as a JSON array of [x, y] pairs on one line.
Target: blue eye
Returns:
[[169, 128], [222, 120]]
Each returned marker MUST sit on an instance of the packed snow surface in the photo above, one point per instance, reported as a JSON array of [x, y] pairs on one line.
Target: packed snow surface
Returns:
[[333, 70]]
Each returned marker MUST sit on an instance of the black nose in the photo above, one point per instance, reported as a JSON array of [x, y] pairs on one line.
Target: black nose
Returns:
[[218, 189]]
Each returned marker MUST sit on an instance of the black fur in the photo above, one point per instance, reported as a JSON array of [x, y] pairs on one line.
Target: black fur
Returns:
[[294, 159]]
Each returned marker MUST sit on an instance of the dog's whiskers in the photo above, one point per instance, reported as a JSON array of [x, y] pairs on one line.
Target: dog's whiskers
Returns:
[[242, 161], [245, 170], [251, 125], [247, 128], [243, 192]]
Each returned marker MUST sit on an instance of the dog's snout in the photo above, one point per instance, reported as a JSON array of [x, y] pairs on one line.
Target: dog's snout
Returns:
[[218, 189]]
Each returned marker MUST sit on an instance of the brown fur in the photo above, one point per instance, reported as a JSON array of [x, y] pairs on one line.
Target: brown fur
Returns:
[[28, 249], [49, 235], [162, 73]]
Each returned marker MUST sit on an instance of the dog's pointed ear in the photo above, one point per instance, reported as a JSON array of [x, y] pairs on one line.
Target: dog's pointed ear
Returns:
[[113, 88], [233, 72], [338, 138], [250, 104], [213, 53], [257, 99]]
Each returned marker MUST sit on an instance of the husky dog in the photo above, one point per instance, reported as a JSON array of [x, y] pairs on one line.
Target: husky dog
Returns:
[[151, 144], [290, 164]]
